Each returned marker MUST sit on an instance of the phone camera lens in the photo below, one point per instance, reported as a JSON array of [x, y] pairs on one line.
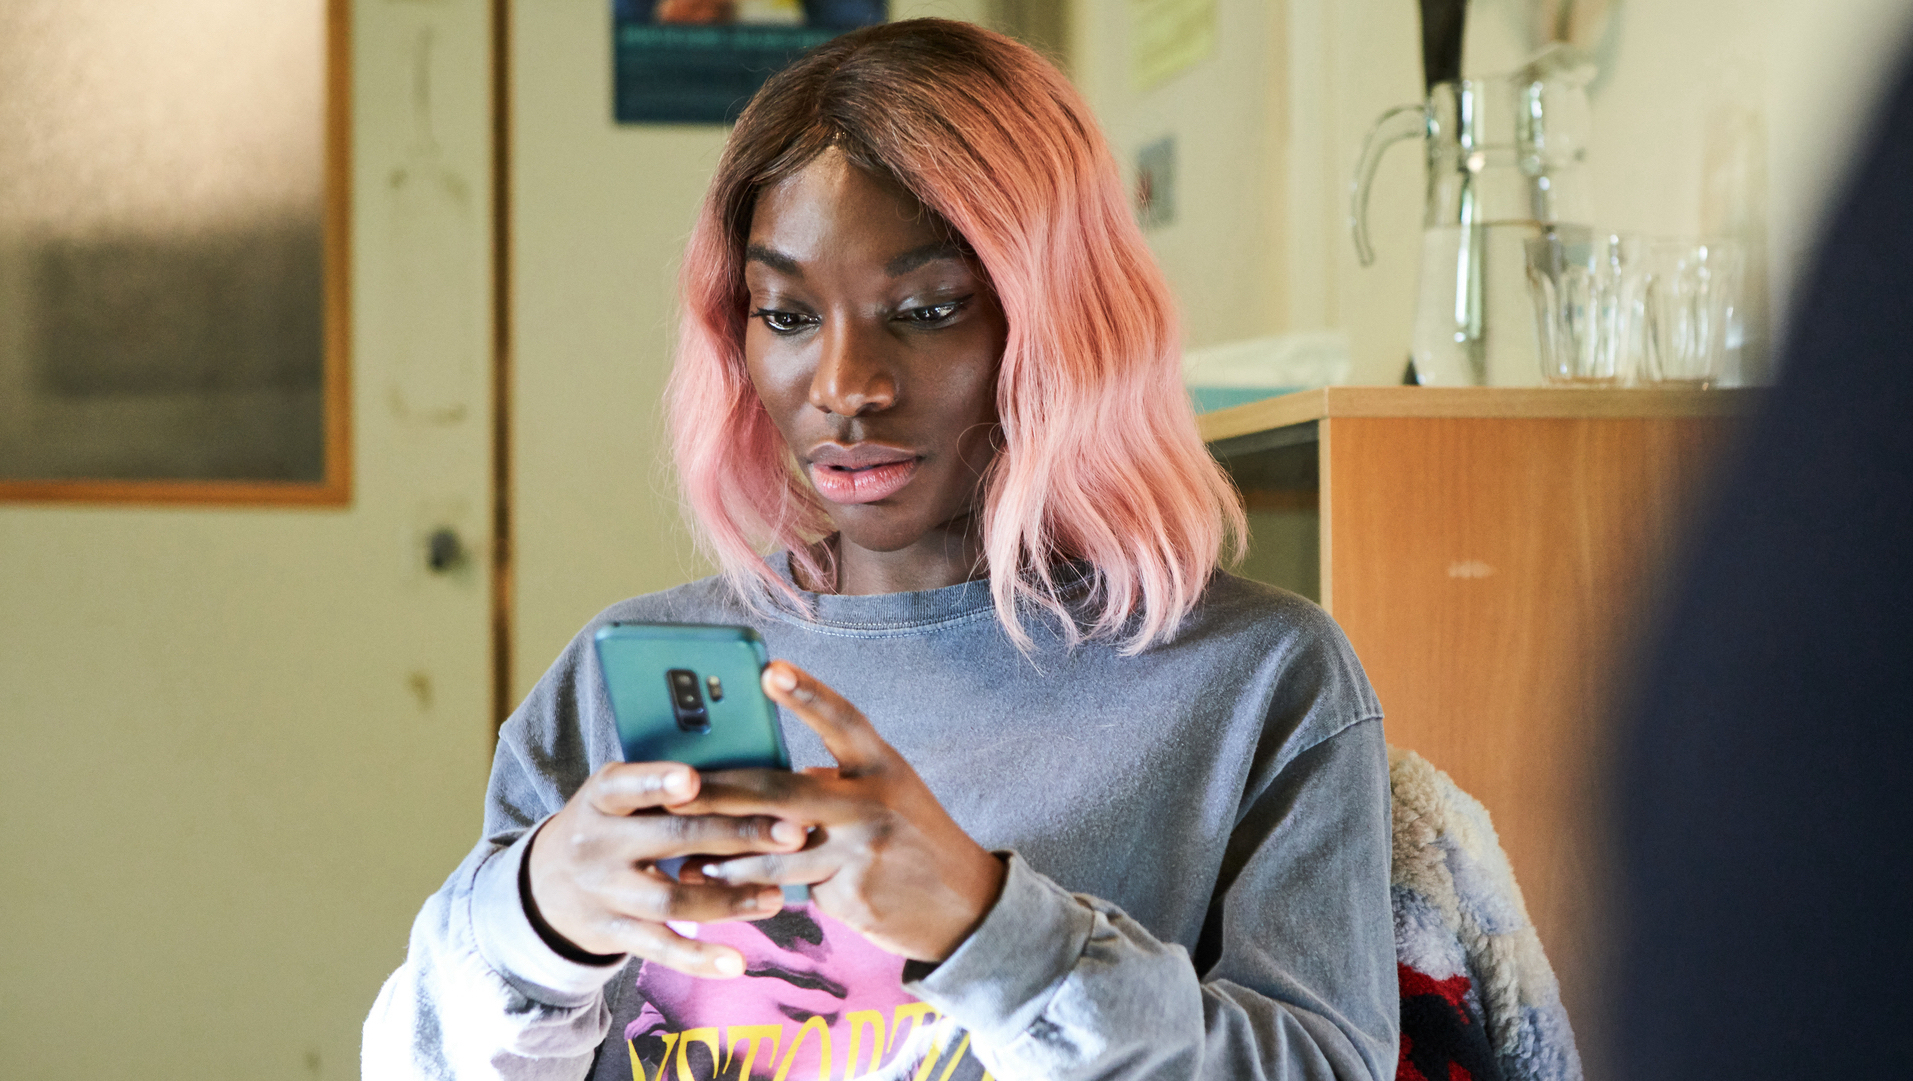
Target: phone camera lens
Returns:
[[686, 701]]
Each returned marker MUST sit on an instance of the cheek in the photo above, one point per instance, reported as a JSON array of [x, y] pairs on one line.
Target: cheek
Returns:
[[981, 393], [975, 394], [779, 381], [988, 366], [971, 406]]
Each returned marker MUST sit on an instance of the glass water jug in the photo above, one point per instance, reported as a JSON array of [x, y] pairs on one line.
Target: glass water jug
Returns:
[[1504, 156]]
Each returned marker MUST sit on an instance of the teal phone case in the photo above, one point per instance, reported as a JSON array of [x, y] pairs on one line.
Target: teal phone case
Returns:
[[737, 727]]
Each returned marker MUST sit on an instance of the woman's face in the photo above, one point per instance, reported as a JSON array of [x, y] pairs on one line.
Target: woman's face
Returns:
[[874, 342]]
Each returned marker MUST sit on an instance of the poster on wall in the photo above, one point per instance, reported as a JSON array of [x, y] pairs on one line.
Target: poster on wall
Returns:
[[699, 61]]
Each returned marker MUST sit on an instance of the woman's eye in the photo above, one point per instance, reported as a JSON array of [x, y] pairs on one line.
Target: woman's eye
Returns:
[[781, 322], [933, 314]]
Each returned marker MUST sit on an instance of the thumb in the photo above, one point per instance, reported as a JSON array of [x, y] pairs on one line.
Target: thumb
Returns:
[[623, 788]]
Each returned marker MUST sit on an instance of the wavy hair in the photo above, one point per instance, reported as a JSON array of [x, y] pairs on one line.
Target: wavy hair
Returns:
[[1099, 461]]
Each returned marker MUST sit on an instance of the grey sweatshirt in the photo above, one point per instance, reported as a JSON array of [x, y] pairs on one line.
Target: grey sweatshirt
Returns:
[[1198, 842]]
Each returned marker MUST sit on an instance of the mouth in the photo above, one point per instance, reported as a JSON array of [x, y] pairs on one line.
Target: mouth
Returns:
[[809, 981], [863, 473]]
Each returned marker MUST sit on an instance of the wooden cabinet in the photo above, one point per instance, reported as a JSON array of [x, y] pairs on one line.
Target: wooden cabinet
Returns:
[[1493, 555]]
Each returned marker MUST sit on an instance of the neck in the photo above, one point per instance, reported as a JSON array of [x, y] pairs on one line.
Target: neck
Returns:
[[944, 557]]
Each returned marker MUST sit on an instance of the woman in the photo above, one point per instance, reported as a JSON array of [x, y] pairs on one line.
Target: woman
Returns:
[[1098, 810]]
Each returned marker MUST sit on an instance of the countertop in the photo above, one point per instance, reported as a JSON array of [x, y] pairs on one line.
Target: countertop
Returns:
[[1322, 403]]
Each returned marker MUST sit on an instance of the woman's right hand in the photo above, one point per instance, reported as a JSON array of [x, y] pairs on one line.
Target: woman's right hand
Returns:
[[594, 874]]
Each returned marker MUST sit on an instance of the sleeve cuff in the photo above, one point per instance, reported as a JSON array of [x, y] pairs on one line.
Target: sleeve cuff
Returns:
[[1001, 978], [512, 946]]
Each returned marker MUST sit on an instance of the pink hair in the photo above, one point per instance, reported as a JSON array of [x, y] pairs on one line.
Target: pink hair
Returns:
[[1099, 457]]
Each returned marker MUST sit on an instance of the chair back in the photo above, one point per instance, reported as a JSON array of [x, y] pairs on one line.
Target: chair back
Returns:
[[1479, 1000]]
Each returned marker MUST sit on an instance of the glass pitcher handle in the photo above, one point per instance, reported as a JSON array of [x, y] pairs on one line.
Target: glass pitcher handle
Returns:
[[1401, 122]]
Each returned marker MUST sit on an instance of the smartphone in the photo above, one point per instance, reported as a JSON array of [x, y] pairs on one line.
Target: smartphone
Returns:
[[691, 693]]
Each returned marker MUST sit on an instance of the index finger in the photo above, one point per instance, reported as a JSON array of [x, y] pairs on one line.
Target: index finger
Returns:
[[847, 734], [623, 788], [791, 797]]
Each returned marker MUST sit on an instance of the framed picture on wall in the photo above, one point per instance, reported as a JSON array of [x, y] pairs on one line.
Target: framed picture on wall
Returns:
[[699, 61], [173, 308]]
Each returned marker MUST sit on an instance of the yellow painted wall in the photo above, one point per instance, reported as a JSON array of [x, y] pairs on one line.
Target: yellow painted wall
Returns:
[[241, 746]]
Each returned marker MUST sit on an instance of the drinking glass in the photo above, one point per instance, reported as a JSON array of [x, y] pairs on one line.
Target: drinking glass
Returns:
[[1685, 295], [1579, 281]]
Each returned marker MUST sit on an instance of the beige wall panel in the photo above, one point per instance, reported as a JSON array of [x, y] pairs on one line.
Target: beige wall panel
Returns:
[[1712, 115], [600, 213], [1222, 251], [243, 745], [1718, 116]]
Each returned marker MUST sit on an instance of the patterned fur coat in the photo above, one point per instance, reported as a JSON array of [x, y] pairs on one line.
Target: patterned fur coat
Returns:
[[1479, 1001]]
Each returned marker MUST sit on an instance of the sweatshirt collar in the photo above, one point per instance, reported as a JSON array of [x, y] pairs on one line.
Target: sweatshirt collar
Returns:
[[887, 612]]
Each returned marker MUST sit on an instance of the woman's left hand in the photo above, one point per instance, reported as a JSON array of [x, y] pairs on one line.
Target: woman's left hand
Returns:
[[883, 856]]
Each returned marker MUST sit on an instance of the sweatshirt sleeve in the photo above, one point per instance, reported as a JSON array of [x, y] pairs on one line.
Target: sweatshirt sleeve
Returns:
[[480, 994], [1065, 987]]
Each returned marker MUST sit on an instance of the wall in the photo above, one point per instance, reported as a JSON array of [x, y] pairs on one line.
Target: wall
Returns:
[[243, 744], [599, 213], [1223, 251]]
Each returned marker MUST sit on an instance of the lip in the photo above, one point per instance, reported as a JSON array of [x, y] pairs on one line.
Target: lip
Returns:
[[804, 981], [861, 472]]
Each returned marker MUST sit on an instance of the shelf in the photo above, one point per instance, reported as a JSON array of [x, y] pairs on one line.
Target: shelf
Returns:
[[1304, 407]]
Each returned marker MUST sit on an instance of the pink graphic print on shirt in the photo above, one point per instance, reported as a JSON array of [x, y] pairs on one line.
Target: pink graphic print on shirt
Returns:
[[817, 1002]]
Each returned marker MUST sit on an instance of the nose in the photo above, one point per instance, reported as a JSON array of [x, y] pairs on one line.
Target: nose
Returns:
[[853, 376]]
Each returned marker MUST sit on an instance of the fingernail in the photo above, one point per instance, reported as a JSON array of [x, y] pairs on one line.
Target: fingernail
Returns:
[[786, 833], [677, 781], [783, 679], [770, 901], [730, 964]]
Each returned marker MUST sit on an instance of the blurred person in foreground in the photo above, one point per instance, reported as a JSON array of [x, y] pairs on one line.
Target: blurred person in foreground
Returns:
[[1767, 783]]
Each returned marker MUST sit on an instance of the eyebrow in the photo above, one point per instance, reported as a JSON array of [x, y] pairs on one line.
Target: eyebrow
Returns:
[[928, 253], [776, 260], [900, 265]]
